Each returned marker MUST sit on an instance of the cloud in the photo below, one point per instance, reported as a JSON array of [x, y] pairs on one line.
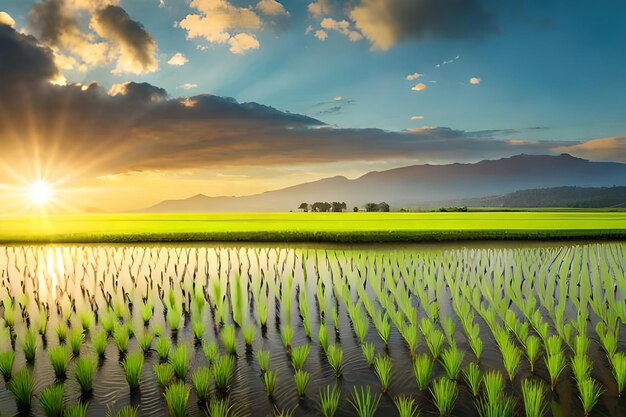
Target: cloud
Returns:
[[321, 34], [114, 36], [90, 132], [243, 42], [220, 22], [447, 62], [341, 26], [6, 19], [133, 45], [178, 59], [387, 22], [271, 8], [188, 86], [419, 87], [414, 76], [415, 118], [601, 149], [475, 80], [319, 8]]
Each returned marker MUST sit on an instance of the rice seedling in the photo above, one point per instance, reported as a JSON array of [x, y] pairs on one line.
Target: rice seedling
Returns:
[[133, 366], [229, 339], [85, 370], [179, 359], [322, 337], [176, 397], [145, 341], [422, 369], [21, 386], [329, 400], [220, 407], [493, 385], [444, 392], [7, 359], [99, 342], [363, 402], [501, 406], [581, 366], [533, 394], [164, 373], [555, 364], [248, 332], [163, 345], [121, 337], [9, 312], [434, 340], [201, 379], [198, 329], [263, 358], [618, 368], [382, 367], [286, 334], [335, 358], [269, 382], [589, 392], [222, 371], [174, 319], [449, 327], [126, 411], [61, 331], [473, 378], [369, 351], [299, 355], [29, 345], [383, 326], [301, 379], [511, 356], [608, 338], [59, 360], [533, 349], [406, 406], [107, 322], [51, 400], [147, 310], [78, 409], [451, 360], [211, 351], [86, 318], [157, 330]]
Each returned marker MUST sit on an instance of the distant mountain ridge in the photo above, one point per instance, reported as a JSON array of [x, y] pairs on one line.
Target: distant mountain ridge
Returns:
[[421, 185]]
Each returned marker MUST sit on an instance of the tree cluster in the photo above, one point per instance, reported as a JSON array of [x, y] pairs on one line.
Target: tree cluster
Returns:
[[323, 207], [372, 207]]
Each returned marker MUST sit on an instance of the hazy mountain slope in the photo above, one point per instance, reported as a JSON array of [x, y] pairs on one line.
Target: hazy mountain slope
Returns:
[[421, 184]]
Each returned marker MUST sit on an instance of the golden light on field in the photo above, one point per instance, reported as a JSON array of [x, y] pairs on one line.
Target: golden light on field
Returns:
[[40, 193]]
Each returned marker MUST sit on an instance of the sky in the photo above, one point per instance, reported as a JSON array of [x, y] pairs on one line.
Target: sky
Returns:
[[120, 104]]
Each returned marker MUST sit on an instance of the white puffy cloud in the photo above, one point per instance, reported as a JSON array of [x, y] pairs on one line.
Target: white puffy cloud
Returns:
[[342, 26], [319, 8], [221, 22], [272, 8], [6, 19], [242, 43], [321, 34], [475, 80], [419, 87], [178, 59], [416, 118], [413, 76]]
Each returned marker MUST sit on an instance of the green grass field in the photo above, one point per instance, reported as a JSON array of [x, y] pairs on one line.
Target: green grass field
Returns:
[[313, 227]]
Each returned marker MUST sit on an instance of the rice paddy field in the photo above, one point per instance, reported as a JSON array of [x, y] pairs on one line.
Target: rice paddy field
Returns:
[[485, 329], [313, 227]]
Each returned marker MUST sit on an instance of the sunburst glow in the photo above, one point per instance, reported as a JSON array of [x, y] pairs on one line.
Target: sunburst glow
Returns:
[[40, 192]]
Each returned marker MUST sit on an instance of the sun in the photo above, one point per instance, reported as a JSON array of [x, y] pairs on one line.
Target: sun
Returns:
[[40, 192]]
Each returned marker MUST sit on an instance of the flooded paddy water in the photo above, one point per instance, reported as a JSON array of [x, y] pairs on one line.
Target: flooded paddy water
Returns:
[[417, 322]]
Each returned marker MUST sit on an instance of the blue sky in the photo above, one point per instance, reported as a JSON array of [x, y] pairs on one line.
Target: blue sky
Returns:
[[489, 79], [553, 64]]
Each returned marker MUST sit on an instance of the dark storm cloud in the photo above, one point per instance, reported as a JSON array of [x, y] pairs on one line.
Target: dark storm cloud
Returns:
[[51, 20], [135, 43], [136, 127], [23, 61], [386, 22]]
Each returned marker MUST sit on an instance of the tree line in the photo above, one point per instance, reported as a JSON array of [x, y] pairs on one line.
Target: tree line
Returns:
[[337, 207]]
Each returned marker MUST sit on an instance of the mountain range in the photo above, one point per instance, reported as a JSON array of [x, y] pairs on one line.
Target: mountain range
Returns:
[[420, 186]]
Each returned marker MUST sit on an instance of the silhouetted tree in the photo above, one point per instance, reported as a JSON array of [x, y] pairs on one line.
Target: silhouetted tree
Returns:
[[338, 207], [304, 207], [370, 207], [355, 209], [383, 207], [321, 206]]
